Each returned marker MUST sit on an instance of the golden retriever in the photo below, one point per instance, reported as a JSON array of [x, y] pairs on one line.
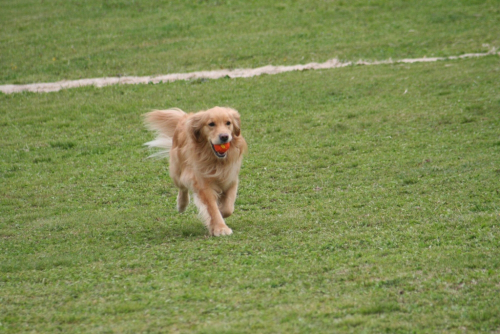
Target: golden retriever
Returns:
[[196, 165]]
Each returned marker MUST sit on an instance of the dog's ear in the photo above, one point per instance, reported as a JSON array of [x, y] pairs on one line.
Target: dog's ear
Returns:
[[236, 122], [194, 125]]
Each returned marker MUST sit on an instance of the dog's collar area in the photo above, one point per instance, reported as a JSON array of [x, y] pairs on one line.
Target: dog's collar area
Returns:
[[217, 154]]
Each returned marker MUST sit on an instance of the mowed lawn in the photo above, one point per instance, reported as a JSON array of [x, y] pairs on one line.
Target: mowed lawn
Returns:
[[369, 202], [369, 199], [52, 40]]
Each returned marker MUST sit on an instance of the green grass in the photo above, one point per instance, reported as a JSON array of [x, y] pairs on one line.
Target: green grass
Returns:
[[369, 202], [53, 40]]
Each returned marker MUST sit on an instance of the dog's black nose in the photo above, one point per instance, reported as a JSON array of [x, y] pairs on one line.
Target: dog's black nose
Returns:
[[223, 137]]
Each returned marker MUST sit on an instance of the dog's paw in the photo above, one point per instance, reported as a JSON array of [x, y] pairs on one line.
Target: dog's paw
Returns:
[[181, 209], [221, 230]]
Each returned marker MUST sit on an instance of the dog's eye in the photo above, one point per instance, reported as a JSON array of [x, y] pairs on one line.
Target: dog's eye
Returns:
[[211, 124], [228, 123]]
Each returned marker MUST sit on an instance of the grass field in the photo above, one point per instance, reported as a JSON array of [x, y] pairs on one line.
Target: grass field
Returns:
[[52, 40], [369, 200], [361, 207]]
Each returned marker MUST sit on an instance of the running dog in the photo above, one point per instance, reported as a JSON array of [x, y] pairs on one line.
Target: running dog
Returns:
[[206, 150]]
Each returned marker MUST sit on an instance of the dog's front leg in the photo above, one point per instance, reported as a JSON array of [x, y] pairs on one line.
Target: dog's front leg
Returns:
[[206, 201], [226, 201]]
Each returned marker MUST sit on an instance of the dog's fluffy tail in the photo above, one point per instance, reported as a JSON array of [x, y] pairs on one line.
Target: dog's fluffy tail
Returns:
[[164, 123]]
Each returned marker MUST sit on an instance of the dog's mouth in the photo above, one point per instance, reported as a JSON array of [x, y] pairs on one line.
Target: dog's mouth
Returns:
[[217, 154]]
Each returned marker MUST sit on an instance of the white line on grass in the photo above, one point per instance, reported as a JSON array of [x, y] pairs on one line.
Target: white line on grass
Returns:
[[237, 73]]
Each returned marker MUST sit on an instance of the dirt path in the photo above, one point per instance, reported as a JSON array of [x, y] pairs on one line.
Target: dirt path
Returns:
[[237, 73]]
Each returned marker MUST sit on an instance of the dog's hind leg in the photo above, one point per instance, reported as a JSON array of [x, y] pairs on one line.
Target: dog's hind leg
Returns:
[[182, 200]]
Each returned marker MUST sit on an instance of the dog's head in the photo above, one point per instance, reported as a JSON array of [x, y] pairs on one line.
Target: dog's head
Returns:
[[215, 126]]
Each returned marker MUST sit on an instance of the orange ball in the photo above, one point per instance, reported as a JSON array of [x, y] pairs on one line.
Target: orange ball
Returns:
[[222, 148]]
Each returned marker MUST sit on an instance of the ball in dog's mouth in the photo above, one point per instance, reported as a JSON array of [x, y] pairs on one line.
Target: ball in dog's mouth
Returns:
[[220, 150]]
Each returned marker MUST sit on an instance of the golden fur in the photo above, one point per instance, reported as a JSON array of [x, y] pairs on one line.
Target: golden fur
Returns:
[[195, 166]]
